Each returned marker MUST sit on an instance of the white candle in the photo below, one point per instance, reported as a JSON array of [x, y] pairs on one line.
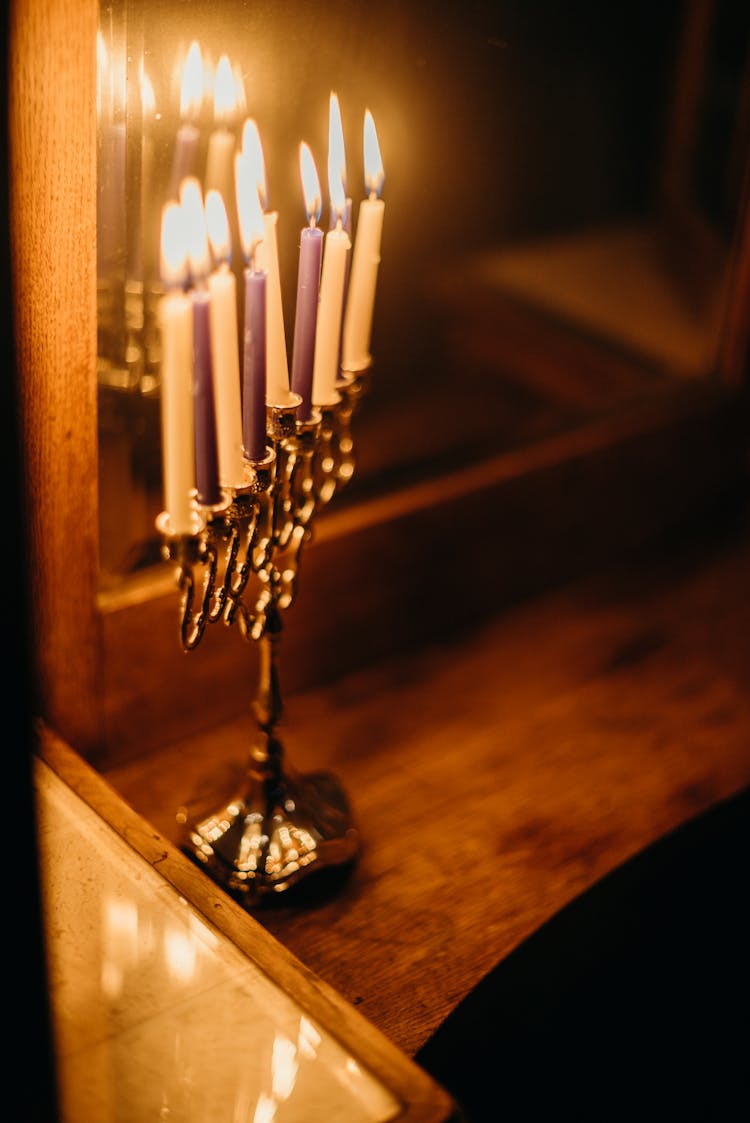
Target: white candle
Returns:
[[365, 259], [225, 345], [176, 326], [267, 260], [328, 326], [222, 142]]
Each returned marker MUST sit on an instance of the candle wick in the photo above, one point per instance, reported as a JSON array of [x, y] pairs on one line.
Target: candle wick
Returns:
[[373, 195]]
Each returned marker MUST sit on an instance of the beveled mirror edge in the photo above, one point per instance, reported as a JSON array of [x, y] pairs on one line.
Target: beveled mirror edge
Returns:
[[423, 1100]]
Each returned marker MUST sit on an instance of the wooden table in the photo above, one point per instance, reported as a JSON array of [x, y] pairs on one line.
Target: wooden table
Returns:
[[497, 776]]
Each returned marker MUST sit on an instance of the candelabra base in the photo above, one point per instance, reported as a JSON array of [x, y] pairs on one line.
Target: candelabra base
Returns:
[[281, 829]]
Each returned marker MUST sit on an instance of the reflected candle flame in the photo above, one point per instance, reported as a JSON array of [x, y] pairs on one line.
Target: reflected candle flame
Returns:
[[191, 90], [308, 1039], [174, 259], [217, 226], [148, 98], [336, 148], [265, 1109], [226, 98], [310, 184], [284, 1067], [180, 955], [248, 206], [252, 150], [374, 174], [191, 201]]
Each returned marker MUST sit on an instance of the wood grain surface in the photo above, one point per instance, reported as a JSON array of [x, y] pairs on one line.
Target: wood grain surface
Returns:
[[497, 778], [52, 196]]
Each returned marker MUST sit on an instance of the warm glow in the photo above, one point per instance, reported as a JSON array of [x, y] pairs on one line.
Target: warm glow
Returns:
[[252, 150], [226, 98], [148, 98], [191, 201], [217, 224], [310, 184], [374, 174], [173, 247], [181, 955], [191, 91], [265, 1109], [284, 1067], [336, 149], [249, 210]]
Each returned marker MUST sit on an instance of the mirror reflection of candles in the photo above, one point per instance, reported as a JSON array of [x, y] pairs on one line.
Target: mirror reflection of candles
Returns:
[[559, 239]]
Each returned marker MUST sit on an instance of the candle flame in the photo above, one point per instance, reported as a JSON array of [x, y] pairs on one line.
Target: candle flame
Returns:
[[249, 210], [174, 265], [191, 201], [191, 91], [148, 98], [217, 225], [336, 148], [226, 97], [252, 150], [310, 184], [374, 174]]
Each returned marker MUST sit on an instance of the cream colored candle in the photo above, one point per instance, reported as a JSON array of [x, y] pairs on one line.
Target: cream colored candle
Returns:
[[328, 328], [267, 260], [332, 281], [355, 353], [278, 363], [225, 345], [176, 326], [219, 174]]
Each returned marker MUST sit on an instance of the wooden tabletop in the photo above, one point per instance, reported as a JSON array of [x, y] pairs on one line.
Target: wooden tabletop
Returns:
[[497, 776]]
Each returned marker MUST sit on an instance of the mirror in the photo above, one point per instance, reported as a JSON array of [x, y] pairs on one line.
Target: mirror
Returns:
[[563, 187]]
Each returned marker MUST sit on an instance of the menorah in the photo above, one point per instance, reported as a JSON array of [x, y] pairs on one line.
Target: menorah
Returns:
[[240, 567]]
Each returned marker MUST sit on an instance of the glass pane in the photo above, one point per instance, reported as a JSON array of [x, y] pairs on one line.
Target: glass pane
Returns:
[[562, 190]]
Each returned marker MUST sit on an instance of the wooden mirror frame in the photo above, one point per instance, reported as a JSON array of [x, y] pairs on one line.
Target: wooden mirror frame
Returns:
[[112, 679]]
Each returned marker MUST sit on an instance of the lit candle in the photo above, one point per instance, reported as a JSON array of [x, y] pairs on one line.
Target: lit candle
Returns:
[[186, 143], [277, 366], [224, 344], [328, 327], [176, 327], [337, 153], [254, 339], [308, 285], [365, 258], [222, 142], [206, 452], [337, 156]]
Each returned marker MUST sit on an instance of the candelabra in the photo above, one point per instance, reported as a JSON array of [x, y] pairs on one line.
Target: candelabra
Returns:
[[240, 567]]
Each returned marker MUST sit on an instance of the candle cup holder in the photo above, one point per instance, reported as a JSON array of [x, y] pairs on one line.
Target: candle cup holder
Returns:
[[241, 568]]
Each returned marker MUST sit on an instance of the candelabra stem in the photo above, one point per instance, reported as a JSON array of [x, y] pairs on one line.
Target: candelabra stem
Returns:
[[282, 826], [268, 706]]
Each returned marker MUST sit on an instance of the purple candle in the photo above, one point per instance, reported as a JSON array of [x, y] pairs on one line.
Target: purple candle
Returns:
[[254, 366], [254, 363], [308, 285], [206, 453], [306, 316]]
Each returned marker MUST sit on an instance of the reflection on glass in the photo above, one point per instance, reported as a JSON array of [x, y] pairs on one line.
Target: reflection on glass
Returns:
[[155, 1016], [564, 197]]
